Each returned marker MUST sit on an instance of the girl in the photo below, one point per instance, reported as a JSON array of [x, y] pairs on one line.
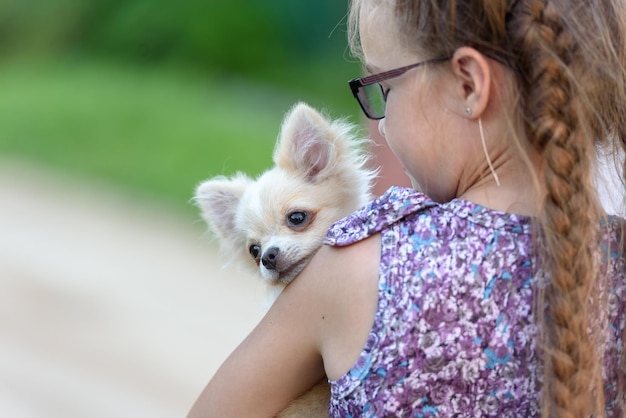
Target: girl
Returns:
[[494, 287]]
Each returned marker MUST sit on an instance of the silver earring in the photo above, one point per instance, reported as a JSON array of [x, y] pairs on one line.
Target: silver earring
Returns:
[[482, 138], [468, 111]]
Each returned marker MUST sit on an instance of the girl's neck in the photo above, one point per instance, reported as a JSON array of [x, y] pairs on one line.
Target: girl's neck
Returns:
[[519, 190]]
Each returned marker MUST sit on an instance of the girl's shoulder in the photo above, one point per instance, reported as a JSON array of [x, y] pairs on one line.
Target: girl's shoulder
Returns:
[[401, 204], [395, 204]]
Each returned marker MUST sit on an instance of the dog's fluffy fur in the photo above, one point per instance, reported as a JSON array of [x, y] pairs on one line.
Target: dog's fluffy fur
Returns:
[[276, 223]]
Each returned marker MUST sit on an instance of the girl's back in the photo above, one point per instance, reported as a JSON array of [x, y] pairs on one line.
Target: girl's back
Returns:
[[454, 331]]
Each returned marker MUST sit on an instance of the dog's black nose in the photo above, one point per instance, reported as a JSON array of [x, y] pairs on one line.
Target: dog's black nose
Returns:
[[269, 258]]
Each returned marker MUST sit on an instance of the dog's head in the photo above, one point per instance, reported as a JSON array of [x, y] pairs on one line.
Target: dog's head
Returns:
[[278, 221]]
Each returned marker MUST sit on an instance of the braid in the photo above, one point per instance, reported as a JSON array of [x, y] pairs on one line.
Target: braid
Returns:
[[552, 109]]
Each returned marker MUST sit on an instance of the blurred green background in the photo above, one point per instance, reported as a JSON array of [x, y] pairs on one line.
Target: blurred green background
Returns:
[[154, 96]]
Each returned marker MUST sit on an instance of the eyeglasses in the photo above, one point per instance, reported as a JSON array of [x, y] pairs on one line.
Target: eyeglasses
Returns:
[[371, 95]]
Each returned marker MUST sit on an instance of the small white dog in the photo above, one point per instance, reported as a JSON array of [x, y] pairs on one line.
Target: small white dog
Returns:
[[276, 223]]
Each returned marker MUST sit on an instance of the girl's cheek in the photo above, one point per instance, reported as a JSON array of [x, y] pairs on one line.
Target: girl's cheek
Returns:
[[381, 127]]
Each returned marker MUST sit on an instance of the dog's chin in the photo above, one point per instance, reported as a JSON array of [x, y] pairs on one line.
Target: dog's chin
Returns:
[[285, 276]]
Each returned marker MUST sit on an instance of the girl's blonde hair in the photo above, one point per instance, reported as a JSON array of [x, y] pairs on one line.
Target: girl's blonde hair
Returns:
[[568, 58]]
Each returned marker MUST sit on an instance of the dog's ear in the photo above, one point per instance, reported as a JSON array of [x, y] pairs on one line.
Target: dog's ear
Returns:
[[306, 144], [218, 199]]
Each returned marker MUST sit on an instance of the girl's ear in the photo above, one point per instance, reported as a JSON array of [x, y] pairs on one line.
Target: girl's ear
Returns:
[[472, 75]]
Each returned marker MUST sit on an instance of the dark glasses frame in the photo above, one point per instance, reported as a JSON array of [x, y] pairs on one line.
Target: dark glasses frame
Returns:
[[358, 83]]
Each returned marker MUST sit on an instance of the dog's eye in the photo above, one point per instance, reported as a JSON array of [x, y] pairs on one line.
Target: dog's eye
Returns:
[[255, 251], [297, 218]]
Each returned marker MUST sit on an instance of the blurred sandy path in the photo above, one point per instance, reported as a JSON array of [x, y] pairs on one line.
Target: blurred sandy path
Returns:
[[108, 308]]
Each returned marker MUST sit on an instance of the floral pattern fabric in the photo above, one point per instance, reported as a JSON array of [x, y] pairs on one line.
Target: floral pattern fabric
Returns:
[[453, 334]]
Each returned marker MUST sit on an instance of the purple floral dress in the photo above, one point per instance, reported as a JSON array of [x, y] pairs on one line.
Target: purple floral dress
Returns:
[[453, 334]]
